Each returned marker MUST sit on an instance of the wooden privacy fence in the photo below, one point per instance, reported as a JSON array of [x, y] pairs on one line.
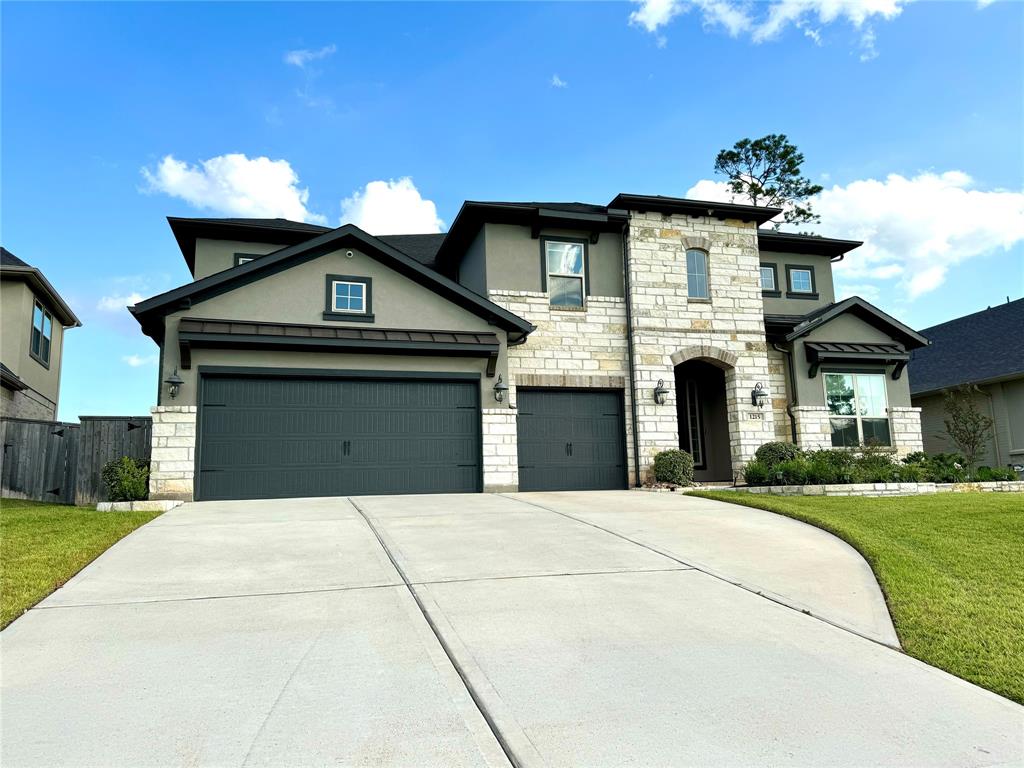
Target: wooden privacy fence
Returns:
[[61, 462]]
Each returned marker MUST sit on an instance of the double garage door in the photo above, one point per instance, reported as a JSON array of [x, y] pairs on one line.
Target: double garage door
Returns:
[[263, 437]]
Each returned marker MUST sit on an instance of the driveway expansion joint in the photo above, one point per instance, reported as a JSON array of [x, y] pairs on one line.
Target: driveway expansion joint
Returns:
[[759, 592]]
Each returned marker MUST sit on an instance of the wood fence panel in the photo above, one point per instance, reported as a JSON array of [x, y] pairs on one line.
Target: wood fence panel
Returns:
[[103, 439], [39, 460]]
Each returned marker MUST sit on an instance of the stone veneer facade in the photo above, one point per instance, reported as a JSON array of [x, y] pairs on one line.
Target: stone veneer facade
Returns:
[[172, 462], [669, 328]]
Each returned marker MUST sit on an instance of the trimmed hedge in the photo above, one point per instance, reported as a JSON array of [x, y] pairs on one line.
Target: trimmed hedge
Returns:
[[785, 464], [673, 466], [127, 479]]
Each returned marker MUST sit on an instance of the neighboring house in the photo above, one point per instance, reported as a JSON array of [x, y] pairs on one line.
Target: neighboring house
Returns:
[[984, 351], [32, 340], [535, 346]]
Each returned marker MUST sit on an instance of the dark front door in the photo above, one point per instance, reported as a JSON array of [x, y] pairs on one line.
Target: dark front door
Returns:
[[271, 437], [703, 420], [571, 440]]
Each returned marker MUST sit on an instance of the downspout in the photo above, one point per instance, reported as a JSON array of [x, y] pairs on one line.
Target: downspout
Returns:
[[792, 399], [630, 355]]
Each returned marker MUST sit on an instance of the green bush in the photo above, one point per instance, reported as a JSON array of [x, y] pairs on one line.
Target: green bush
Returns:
[[992, 474], [793, 472], [673, 466], [947, 468], [127, 479], [912, 473], [757, 473], [829, 466], [874, 467], [773, 454], [917, 457]]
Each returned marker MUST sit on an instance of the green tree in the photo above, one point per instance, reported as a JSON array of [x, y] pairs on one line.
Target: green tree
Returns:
[[966, 426], [767, 171]]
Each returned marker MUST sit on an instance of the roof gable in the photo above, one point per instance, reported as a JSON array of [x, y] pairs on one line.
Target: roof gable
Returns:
[[865, 311], [150, 313], [14, 268]]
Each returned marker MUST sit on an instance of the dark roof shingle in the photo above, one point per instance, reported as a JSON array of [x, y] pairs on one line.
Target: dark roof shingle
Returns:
[[8, 259], [978, 347]]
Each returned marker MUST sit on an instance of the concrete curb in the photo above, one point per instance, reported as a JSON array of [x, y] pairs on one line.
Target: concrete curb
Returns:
[[149, 505]]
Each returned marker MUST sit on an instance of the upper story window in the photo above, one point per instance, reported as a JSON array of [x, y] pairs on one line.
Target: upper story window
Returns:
[[697, 274], [857, 409], [245, 258], [42, 333], [801, 282], [349, 298], [565, 263], [769, 279]]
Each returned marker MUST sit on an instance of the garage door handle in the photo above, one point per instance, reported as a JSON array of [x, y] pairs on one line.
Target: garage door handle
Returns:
[[568, 449]]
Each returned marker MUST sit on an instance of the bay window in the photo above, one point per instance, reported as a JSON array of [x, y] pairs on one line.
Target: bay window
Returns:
[[857, 409]]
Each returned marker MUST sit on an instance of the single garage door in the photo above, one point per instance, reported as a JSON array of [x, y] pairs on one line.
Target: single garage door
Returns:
[[270, 437], [571, 440]]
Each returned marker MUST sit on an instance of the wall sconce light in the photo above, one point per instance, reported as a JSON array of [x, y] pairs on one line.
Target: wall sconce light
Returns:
[[500, 388], [660, 391], [758, 395], [174, 382]]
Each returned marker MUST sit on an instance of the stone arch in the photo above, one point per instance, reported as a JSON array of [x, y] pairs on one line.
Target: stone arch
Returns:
[[722, 358], [697, 241]]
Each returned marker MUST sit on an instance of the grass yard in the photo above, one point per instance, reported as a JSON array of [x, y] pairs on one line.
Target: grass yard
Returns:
[[951, 566], [43, 545]]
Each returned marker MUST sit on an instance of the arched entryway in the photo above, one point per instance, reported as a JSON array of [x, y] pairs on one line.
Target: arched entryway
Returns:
[[701, 408]]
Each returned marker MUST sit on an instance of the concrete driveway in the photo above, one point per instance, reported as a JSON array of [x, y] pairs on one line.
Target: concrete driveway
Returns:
[[532, 629]]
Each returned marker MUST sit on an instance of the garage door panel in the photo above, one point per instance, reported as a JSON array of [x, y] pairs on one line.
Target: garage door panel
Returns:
[[571, 440], [273, 438]]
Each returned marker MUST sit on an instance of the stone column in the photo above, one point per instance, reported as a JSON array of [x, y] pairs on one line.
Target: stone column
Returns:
[[905, 424], [813, 429], [172, 461], [501, 451]]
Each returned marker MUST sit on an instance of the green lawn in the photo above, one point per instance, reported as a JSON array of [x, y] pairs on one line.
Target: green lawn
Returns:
[[43, 545], [951, 566]]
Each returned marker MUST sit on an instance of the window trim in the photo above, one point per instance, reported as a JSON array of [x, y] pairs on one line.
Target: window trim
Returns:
[[707, 275], [245, 258], [544, 274], [330, 313], [772, 293], [790, 293], [854, 372], [45, 362]]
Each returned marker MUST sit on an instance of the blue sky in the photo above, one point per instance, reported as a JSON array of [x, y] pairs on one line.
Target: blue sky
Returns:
[[910, 114]]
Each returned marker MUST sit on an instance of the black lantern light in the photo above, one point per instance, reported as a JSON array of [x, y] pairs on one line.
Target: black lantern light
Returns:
[[174, 382], [500, 388], [758, 395], [660, 391]]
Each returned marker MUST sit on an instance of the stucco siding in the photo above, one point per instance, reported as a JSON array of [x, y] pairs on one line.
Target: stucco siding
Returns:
[[17, 300], [214, 256], [822, 278]]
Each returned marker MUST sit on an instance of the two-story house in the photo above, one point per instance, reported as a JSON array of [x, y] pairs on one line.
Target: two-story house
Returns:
[[34, 318], [535, 346]]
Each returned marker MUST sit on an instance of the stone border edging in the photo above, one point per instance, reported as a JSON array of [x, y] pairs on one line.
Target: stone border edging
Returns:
[[859, 489], [149, 505]]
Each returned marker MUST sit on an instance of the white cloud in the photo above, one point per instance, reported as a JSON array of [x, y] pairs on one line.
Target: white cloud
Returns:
[[138, 361], [235, 184], [300, 58], [914, 229], [766, 21], [865, 290], [557, 82], [391, 208], [117, 303]]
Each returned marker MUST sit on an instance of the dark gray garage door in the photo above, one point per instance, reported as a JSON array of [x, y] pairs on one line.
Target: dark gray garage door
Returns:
[[280, 437], [571, 440]]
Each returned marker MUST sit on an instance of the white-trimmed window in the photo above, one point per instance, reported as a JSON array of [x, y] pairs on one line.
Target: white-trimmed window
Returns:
[[769, 278], [697, 274], [801, 280], [857, 407], [565, 265], [349, 297], [42, 333]]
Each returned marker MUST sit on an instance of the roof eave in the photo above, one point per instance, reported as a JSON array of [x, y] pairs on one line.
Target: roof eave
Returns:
[[695, 208], [34, 276]]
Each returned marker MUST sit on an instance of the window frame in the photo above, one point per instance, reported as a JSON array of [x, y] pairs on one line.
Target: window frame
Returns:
[[792, 294], [46, 315], [245, 258], [774, 292], [857, 417], [707, 275], [331, 313], [584, 277]]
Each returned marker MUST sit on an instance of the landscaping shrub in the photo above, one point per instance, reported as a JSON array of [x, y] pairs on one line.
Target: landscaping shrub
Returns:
[[946, 468], [912, 473], [874, 467], [917, 457], [829, 466], [773, 454], [992, 474], [127, 479], [792, 472], [757, 473], [673, 466]]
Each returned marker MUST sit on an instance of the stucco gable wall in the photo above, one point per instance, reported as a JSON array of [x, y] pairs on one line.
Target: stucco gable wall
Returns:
[[214, 256]]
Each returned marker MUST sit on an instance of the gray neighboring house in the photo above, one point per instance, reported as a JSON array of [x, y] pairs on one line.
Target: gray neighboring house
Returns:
[[534, 346], [34, 318], [983, 350]]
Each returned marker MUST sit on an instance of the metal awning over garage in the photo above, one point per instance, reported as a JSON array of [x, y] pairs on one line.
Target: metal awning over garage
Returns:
[[236, 334]]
